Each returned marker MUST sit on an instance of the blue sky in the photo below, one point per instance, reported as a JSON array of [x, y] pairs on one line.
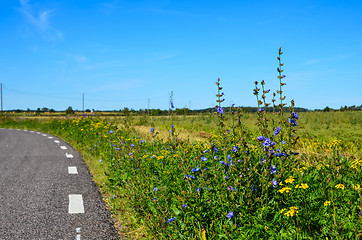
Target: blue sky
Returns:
[[123, 53]]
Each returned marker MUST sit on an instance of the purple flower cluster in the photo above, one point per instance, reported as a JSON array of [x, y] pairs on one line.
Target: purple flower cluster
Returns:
[[294, 119]]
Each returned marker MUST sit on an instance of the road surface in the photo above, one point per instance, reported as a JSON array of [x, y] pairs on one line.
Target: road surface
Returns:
[[46, 191]]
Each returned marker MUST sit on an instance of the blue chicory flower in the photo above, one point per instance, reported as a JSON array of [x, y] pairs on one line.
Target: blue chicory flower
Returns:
[[267, 142], [273, 169], [261, 138], [275, 183], [203, 158], [170, 220], [292, 121], [230, 215], [195, 169], [235, 149], [277, 131], [215, 149], [295, 115], [220, 110]]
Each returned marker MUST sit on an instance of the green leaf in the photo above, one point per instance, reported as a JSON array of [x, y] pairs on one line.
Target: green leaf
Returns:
[[175, 210]]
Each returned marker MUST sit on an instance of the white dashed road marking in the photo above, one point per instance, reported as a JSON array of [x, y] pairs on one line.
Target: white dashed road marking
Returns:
[[63, 147], [72, 170], [44, 135], [50, 137], [38, 133], [57, 141], [75, 204], [77, 230], [69, 155]]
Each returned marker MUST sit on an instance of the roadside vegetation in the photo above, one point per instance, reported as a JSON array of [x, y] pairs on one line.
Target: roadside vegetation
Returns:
[[277, 174]]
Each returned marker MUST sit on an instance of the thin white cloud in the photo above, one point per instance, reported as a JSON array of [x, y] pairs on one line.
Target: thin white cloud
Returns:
[[79, 59], [328, 59], [40, 20]]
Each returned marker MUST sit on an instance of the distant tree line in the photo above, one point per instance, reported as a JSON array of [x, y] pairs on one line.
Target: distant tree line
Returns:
[[178, 111], [342, 109]]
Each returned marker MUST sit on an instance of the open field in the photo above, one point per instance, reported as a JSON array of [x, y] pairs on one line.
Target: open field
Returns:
[[161, 197]]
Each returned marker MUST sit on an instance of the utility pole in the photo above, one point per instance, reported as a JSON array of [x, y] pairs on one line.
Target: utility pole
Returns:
[[83, 101], [1, 87], [148, 108]]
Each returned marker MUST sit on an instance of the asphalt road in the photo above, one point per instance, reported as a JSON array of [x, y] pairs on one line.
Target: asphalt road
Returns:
[[41, 197]]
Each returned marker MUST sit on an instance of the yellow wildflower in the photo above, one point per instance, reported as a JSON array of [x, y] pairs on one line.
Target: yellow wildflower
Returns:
[[285, 189], [281, 211], [303, 185], [292, 212], [327, 203], [357, 187], [290, 179], [266, 228], [341, 186]]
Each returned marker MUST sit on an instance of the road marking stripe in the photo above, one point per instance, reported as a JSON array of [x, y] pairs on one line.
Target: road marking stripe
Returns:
[[77, 230], [25, 130], [72, 170], [57, 141], [77, 237], [38, 133], [69, 155], [44, 135], [63, 147], [50, 137], [75, 204]]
